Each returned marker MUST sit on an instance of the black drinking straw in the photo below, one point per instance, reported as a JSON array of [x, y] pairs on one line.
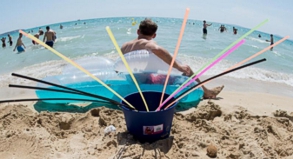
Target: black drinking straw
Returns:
[[63, 91], [221, 74], [39, 99], [73, 91]]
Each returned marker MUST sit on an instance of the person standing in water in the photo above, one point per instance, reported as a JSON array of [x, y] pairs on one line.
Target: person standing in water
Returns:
[[49, 37], [19, 44], [3, 42], [144, 41], [205, 25], [10, 40], [61, 26], [272, 41], [41, 32]]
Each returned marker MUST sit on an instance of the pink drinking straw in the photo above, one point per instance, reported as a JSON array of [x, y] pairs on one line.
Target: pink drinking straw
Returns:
[[234, 66], [202, 72], [175, 53]]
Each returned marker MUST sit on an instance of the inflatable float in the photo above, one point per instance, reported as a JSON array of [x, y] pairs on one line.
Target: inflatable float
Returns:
[[149, 71]]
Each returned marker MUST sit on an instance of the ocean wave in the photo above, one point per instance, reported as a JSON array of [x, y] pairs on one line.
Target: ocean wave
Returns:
[[64, 39], [247, 73], [257, 39], [55, 67]]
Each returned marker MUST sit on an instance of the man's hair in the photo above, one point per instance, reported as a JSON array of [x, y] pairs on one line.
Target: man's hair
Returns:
[[148, 27], [271, 34], [204, 21], [47, 27], [41, 31]]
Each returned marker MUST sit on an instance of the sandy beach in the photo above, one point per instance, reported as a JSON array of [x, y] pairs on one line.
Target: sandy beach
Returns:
[[237, 125]]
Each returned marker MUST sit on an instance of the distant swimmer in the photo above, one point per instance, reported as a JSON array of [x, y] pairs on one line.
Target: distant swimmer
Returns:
[[61, 26], [235, 30], [41, 32], [19, 44], [205, 25], [222, 28], [259, 35], [3, 42], [49, 37], [272, 41], [84, 23], [10, 39]]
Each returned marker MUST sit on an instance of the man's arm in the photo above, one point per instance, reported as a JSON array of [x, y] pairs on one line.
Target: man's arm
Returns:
[[15, 46], [23, 44], [123, 48], [44, 37], [166, 57]]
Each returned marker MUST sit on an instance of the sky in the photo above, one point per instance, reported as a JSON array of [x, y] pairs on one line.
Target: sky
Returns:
[[24, 14]]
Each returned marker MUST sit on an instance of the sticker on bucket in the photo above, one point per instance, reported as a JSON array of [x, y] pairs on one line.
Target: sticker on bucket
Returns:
[[151, 130]]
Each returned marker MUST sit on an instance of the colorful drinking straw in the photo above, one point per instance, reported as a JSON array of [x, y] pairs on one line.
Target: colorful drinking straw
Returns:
[[175, 53], [223, 51], [75, 64], [126, 64], [206, 69]]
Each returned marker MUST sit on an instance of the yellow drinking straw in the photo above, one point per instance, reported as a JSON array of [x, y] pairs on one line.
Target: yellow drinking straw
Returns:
[[175, 53], [126, 64], [234, 66], [74, 64]]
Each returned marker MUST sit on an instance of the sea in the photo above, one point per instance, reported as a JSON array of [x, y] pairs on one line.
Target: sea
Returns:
[[85, 38]]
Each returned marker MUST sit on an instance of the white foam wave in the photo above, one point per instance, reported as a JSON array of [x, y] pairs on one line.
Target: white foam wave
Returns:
[[63, 39], [276, 53], [257, 39], [128, 31], [246, 73], [254, 46], [55, 67], [41, 70]]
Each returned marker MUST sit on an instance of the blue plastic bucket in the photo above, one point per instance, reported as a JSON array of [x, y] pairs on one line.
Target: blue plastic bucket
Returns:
[[148, 126]]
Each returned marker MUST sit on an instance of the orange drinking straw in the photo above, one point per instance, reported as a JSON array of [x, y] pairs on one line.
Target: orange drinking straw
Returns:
[[74, 64], [175, 53], [234, 66]]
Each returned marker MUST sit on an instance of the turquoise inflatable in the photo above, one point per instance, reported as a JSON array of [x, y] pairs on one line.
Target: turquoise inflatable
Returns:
[[114, 75]]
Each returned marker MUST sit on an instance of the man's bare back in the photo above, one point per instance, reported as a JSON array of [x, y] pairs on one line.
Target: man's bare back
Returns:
[[137, 44], [49, 35]]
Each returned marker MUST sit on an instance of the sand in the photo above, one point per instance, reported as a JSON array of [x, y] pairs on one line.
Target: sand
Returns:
[[237, 125]]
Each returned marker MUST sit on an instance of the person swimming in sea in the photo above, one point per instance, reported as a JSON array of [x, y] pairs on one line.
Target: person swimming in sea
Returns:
[[41, 32], [49, 37], [222, 28], [3, 42], [235, 30], [61, 26], [10, 40], [259, 35], [19, 44]]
